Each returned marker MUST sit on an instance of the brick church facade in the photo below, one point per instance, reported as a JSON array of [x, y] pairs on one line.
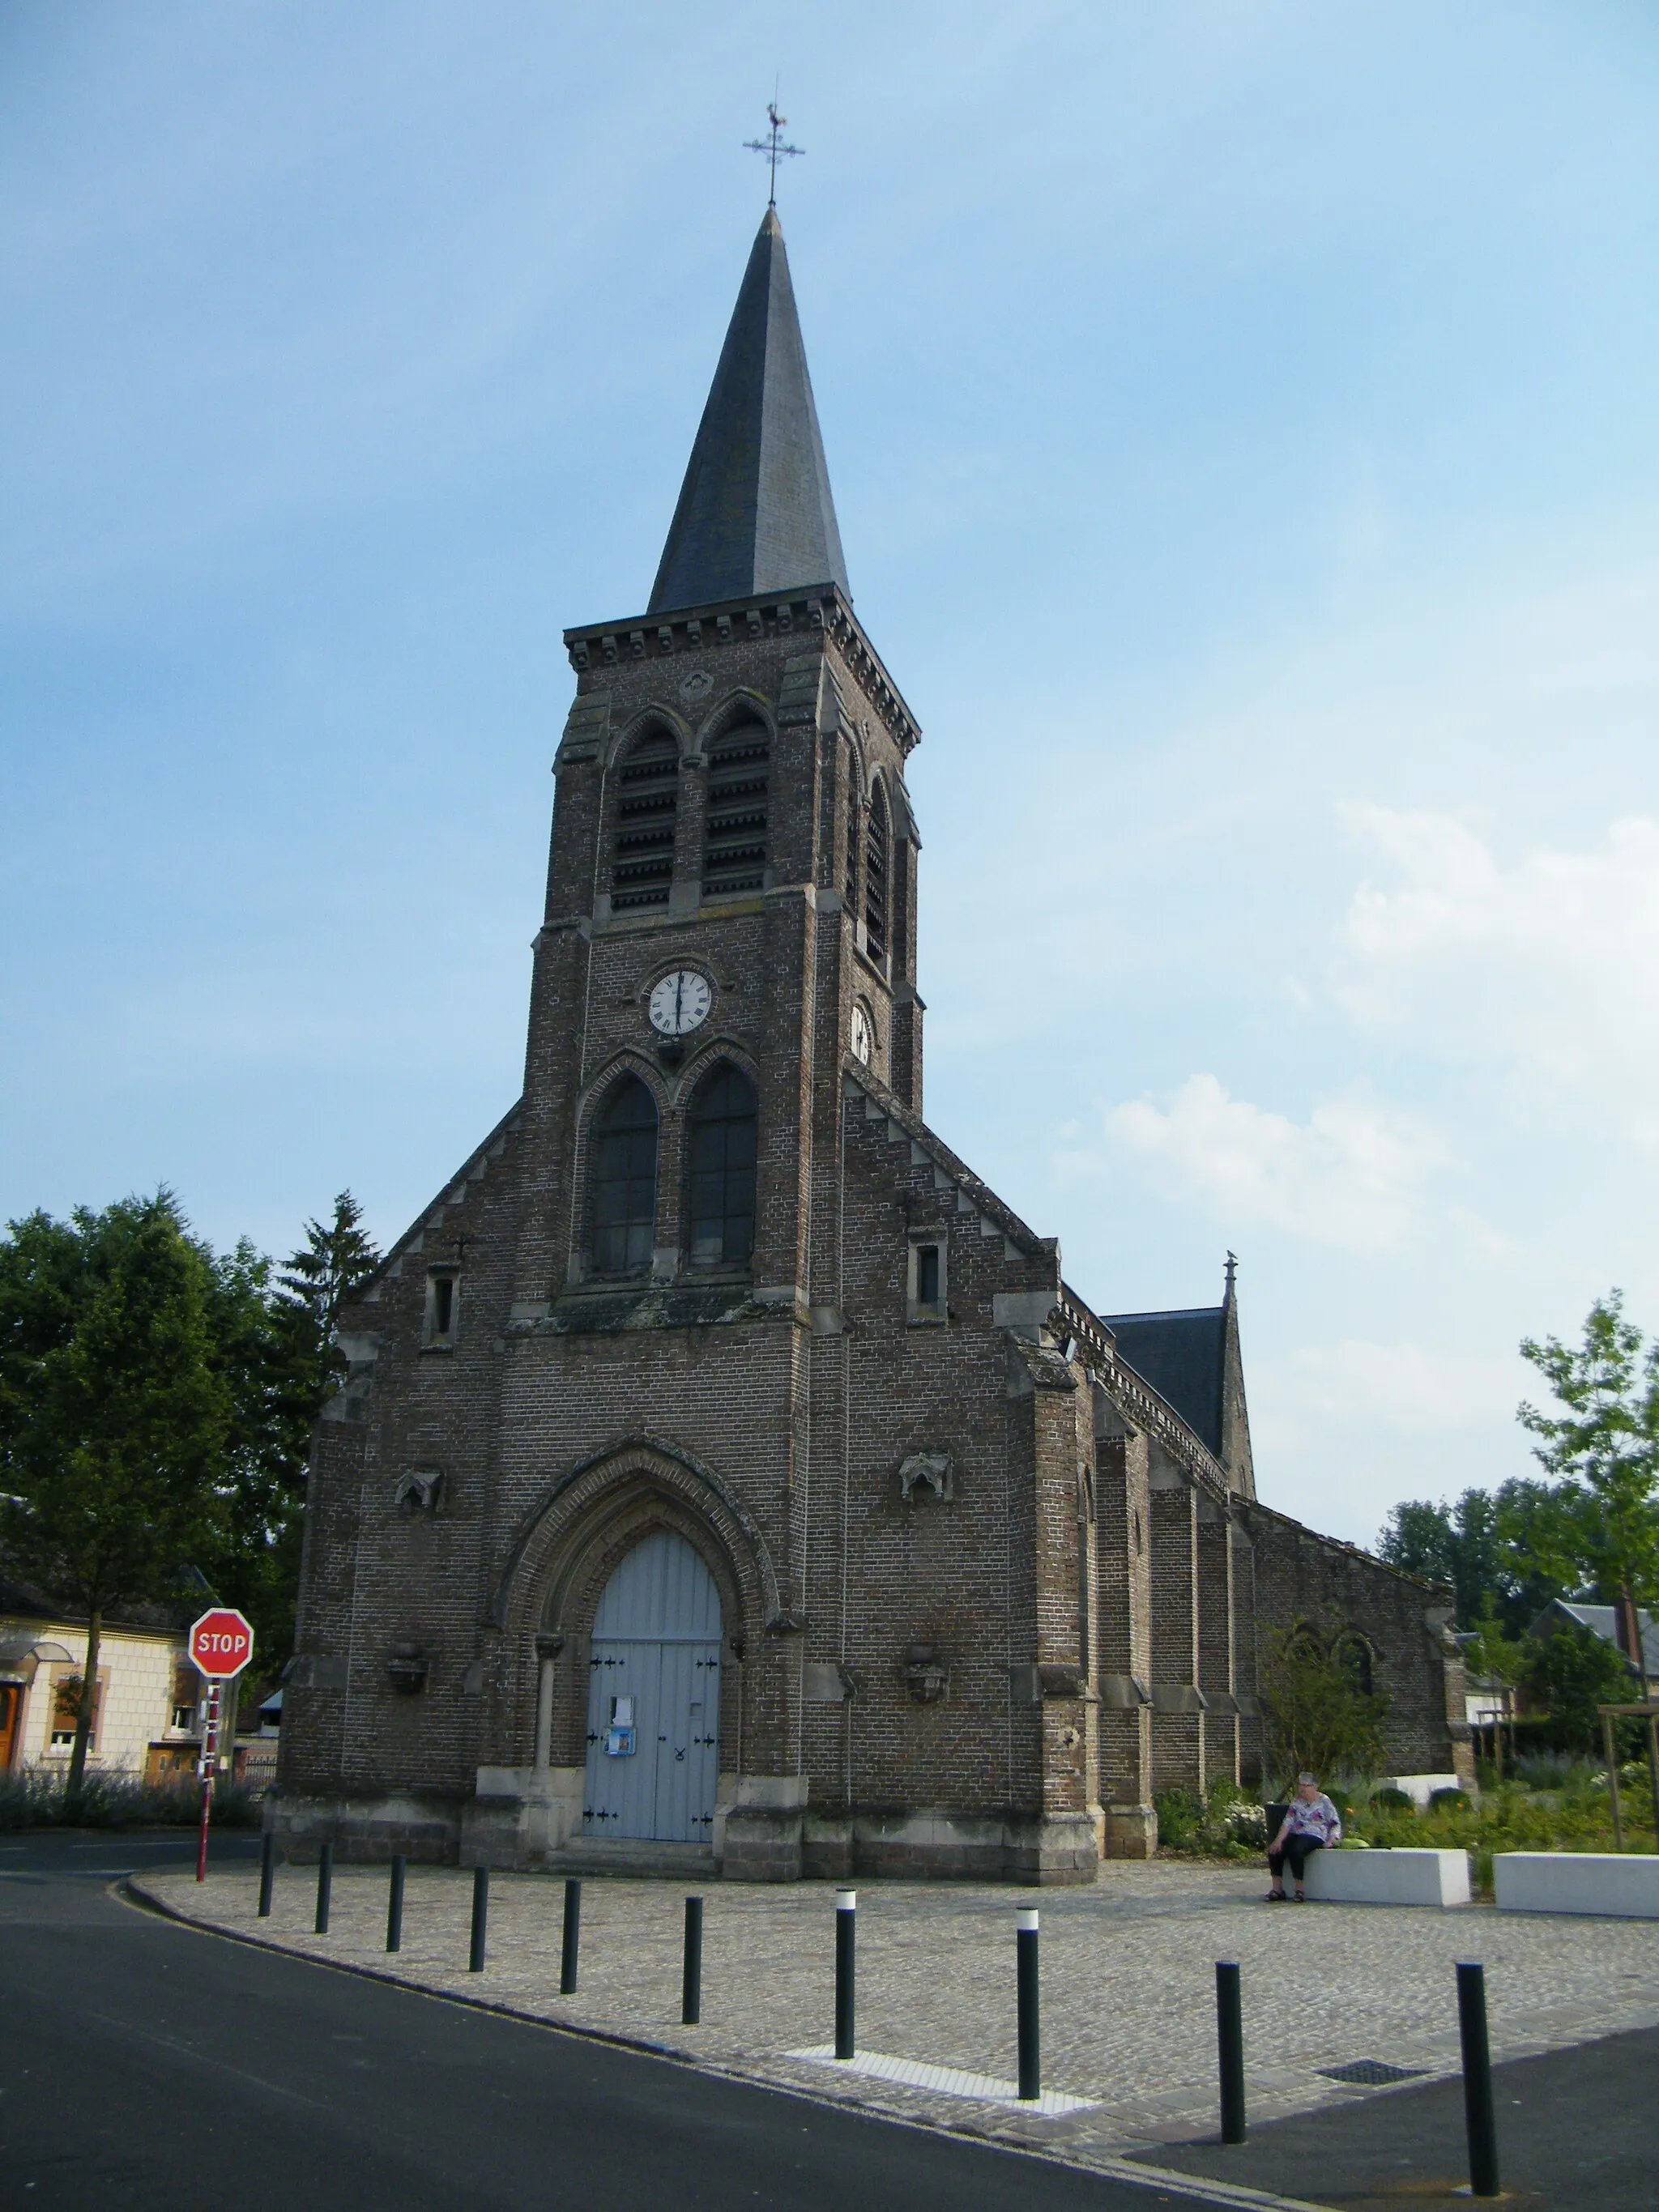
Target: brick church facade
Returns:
[[725, 1476]]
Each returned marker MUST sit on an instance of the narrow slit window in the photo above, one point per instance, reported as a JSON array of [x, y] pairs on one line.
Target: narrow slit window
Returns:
[[442, 1306], [735, 821], [647, 802], [625, 1180], [721, 1171], [926, 1292], [875, 877]]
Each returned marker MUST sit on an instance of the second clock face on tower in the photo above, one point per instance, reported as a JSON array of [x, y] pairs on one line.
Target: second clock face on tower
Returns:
[[863, 1038], [680, 1002]]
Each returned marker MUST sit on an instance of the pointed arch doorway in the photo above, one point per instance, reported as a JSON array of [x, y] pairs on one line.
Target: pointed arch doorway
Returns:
[[654, 1669]]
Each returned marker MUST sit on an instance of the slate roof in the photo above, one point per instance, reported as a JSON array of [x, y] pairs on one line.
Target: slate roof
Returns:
[[1599, 1620], [1183, 1356], [755, 512]]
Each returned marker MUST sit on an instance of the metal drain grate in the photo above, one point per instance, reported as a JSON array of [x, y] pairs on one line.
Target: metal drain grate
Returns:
[[1371, 2073]]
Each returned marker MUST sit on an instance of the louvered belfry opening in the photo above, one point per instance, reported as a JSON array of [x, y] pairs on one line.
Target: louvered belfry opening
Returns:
[[734, 835], [647, 800], [875, 877], [852, 886]]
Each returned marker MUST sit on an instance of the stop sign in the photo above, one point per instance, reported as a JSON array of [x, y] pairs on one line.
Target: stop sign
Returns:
[[221, 1643]]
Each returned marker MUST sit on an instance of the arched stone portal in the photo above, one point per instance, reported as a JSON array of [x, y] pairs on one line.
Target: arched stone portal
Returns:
[[654, 1698]]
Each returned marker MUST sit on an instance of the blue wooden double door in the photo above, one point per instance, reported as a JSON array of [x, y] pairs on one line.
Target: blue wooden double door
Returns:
[[653, 1698]]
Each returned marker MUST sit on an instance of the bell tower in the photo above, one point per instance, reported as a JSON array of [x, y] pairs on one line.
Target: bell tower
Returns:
[[732, 883]]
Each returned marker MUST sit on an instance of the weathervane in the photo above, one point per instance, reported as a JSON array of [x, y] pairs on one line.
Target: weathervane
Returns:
[[772, 146]]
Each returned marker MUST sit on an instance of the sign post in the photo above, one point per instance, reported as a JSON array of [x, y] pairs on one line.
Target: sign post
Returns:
[[220, 1645]]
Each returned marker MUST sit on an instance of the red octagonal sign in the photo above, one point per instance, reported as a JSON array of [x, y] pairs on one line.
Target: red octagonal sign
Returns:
[[221, 1643]]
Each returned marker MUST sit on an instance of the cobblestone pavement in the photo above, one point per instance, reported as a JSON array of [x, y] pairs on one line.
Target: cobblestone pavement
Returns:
[[1127, 1982]]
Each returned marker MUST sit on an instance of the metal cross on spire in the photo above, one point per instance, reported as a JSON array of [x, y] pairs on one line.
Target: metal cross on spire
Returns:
[[772, 146]]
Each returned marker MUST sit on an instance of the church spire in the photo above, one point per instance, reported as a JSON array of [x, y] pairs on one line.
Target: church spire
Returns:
[[755, 512]]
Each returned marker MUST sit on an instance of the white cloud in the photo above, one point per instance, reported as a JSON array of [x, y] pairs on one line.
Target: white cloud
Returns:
[[1404, 1388], [1348, 1176], [1550, 964]]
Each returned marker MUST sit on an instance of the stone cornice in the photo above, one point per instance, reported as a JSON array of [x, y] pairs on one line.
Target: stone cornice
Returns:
[[814, 610]]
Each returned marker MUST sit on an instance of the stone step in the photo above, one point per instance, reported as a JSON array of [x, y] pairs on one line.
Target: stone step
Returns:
[[630, 1855]]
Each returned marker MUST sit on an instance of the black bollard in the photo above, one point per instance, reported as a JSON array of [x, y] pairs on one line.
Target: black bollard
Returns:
[[573, 1936], [1229, 2044], [846, 1924], [474, 1962], [691, 1976], [1030, 2037], [267, 1871], [325, 1884], [1477, 2081], [394, 1904]]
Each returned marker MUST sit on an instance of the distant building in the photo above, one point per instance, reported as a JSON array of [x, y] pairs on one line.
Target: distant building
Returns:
[[145, 1702], [1602, 1620]]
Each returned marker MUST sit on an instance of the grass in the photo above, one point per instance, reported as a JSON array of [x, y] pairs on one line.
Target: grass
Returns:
[[30, 1798]]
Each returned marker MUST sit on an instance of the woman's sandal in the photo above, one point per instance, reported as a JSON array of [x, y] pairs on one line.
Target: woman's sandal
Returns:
[[1274, 1897]]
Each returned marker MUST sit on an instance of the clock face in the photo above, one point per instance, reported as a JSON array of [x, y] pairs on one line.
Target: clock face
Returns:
[[680, 1002], [863, 1038]]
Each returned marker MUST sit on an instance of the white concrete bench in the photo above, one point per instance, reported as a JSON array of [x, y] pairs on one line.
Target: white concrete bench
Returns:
[[1380, 1877], [1577, 1882]]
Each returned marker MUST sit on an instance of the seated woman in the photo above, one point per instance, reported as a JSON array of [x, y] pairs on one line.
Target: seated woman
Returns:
[[1311, 1824]]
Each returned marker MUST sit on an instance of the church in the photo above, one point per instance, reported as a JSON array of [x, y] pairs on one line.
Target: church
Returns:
[[725, 1479]]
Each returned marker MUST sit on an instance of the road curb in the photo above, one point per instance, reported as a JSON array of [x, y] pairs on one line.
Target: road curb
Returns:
[[1139, 2174]]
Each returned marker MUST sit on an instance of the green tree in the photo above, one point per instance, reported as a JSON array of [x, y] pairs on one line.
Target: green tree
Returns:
[[113, 1414], [275, 1334], [1471, 1545], [1598, 1522], [1568, 1673], [1319, 1713], [333, 1262]]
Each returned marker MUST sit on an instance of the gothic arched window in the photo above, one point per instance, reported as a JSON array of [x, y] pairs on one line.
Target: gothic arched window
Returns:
[[877, 848], [721, 1169], [734, 837], [625, 1180], [647, 800]]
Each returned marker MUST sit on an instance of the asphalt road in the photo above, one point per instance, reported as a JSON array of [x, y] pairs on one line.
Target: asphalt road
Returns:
[[148, 2068]]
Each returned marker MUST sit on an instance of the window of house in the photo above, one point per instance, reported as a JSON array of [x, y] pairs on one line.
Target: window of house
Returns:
[[734, 822], [647, 801], [65, 1705], [443, 1307], [186, 1681], [625, 1180], [925, 1292], [721, 1169], [876, 844]]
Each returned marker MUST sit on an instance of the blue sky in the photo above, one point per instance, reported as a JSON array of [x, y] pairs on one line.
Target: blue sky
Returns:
[[1242, 423]]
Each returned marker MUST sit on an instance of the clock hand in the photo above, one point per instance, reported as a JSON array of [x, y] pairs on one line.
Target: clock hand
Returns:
[[679, 991]]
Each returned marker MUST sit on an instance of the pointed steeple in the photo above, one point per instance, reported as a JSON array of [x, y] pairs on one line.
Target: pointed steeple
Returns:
[[755, 512]]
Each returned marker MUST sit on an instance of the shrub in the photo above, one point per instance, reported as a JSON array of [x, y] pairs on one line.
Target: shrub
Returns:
[[1442, 1800], [30, 1798], [1390, 1800], [1229, 1823], [1319, 1711]]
